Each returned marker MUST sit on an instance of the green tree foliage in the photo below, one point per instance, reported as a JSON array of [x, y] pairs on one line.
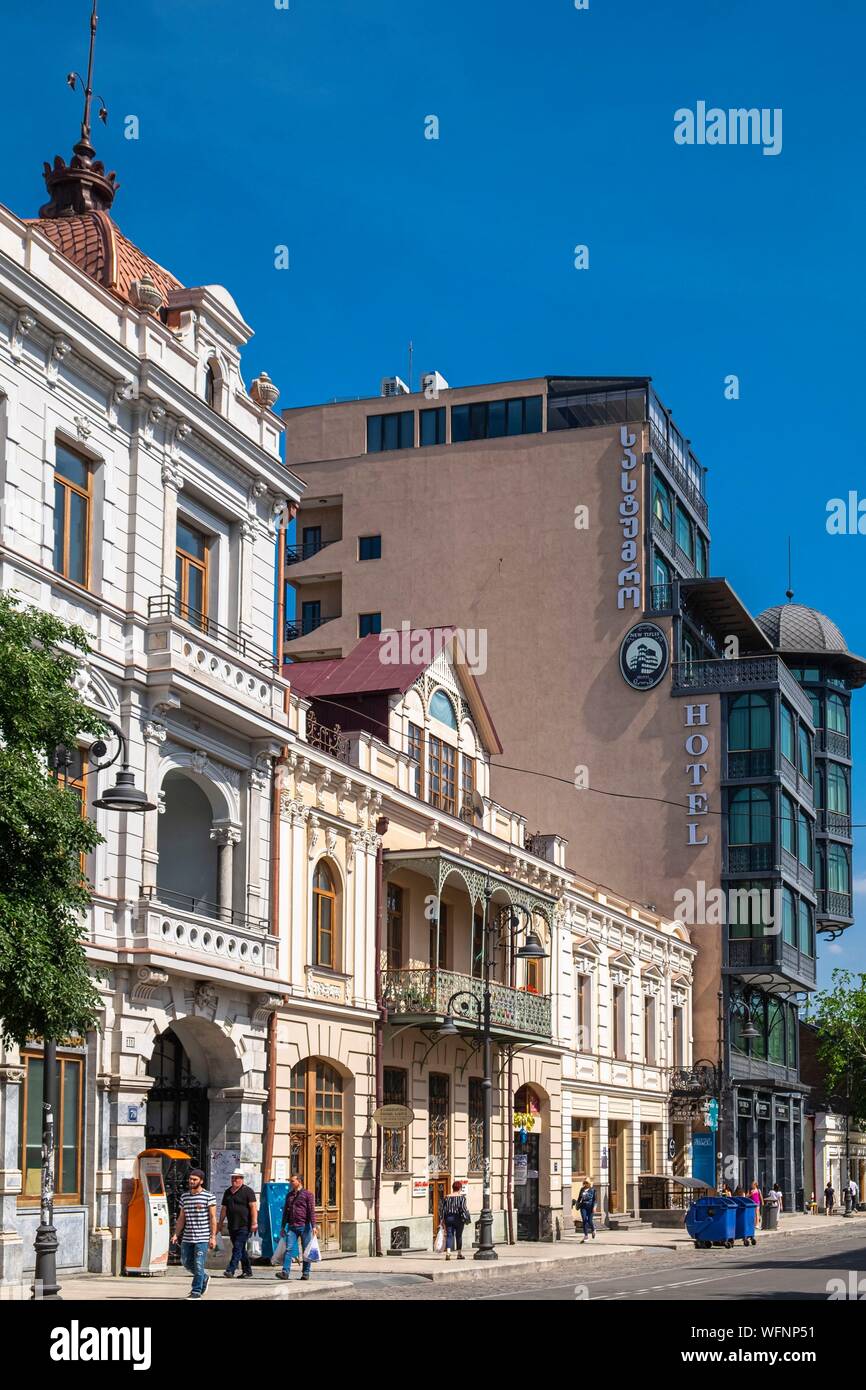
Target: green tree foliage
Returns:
[[840, 1019], [46, 988]]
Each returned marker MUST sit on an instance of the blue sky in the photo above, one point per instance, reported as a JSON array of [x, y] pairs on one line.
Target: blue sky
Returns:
[[305, 127]]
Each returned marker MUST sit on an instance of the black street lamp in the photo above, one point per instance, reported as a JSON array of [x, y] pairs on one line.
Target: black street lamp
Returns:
[[532, 949], [739, 1005], [123, 796]]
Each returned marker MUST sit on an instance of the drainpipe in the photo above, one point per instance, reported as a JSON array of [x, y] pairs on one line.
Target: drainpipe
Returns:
[[381, 1016], [270, 1129], [509, 1139]]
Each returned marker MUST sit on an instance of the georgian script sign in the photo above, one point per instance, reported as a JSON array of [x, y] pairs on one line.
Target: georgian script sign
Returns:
[[628, 579], [393, 1116]]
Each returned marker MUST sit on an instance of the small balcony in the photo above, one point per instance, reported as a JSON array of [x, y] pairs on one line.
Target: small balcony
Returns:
[[830, 741], [735, 675], [678, 474], [834, 906], [302, 627], [295, 554], [755, 762], [182, 929], [771, 956], [421, 997], [834, 823], [170, 606]]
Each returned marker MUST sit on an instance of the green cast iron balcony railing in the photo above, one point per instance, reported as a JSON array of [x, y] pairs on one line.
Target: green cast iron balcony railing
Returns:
[[754, 762], [832, 742], [831, 904], [742, 673], [834, 823], [425, 994]]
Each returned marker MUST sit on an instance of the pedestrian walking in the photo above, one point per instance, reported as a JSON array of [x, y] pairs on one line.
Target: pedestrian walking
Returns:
[[239, 1208], [298, 1226], [855, 1194], [757, 1198], [196, 1230], [454, 1215], [726, 1191], [829, 1198], [585, 1204], [781, 1200]]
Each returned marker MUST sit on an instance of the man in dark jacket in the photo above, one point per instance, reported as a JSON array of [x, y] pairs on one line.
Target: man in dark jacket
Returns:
[[298, 1225]]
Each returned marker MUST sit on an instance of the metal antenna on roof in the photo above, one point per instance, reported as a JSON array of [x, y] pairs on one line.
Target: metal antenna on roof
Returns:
[[74, 77], [411, 355], [789, 592]]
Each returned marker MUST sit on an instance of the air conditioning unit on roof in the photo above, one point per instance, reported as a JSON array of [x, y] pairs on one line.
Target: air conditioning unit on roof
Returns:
[[394, 386]]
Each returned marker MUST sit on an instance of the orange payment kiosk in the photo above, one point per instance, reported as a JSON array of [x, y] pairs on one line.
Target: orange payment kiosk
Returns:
[[148, 1230]]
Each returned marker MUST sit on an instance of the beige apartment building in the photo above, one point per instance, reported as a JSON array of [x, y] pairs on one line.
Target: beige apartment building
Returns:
[[696, 758]]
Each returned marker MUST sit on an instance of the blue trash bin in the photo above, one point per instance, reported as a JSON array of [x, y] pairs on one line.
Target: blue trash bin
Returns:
[[745, 1220], [712, 1221]]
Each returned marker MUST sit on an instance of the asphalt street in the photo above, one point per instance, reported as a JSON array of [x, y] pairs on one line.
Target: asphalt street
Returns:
[[790, 1268]]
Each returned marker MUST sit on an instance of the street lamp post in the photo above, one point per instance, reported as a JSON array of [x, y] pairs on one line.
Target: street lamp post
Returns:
[[740, 1006], [480, 1007], [124, 796]]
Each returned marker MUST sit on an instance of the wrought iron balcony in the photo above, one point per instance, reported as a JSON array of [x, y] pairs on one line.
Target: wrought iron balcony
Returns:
[[834, 823], [832, 742], [186, 902], [755, 762], [749, 858], [832, 904], [171, 606], [423, 995], [661, 597], [328, 740], [780, 959], [743, 673], [678, 474], [296, 553], [296, 627]]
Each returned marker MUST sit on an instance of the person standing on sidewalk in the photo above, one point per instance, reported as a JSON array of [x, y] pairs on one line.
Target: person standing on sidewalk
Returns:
[[298, 1225], [239, 1206], [781, 1200], [196, 1230], [755, 1194], [855, 1193], [829, 1198], [586, 1206], [454, 1215]]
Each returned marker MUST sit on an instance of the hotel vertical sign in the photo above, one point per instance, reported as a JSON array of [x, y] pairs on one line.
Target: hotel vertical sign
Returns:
[[629, 578], [697, 746]]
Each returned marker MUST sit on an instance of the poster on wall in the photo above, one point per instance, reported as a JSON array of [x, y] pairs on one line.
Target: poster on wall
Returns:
[[521, 1168], [222, 1164]]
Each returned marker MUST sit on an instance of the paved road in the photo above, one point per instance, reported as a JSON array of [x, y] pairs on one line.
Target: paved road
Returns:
[[790, 1268]]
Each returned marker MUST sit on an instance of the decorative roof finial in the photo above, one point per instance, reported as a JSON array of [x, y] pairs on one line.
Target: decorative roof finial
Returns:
[[789, 592], [82, 185]]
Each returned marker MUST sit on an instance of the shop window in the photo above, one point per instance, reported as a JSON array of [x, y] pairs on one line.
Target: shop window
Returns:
[[395, 1157], [67, 1129]]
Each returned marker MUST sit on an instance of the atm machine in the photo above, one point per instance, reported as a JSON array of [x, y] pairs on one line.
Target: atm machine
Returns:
[[148, 1226]]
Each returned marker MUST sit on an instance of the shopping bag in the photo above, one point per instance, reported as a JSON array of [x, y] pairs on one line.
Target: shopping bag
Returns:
[[280, 1252], [440, 1240], [311, 1251], [254, 1247]]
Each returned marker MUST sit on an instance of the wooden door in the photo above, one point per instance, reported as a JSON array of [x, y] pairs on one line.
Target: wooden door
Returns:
[[316, 1141], [440, 1188], [614, 1159]]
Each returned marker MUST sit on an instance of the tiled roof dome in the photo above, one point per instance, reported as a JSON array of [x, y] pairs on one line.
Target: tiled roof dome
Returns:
[[792, 628], [98, 247]]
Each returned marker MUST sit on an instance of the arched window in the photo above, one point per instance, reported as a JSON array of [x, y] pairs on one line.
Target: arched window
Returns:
[[837, 714], [211, 385], [749, 737], [324, 918], [776, 1030], [442, 709], [838, 869], [527, 1101], [838, 798], [661, 580], [749, 821]]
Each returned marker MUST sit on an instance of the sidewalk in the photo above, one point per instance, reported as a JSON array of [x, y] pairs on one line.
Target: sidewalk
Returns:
[[566, 1256]]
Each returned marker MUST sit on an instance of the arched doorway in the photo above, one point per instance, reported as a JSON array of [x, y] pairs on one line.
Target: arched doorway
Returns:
[[527, 1161], [177, 1112], [316, 1141]]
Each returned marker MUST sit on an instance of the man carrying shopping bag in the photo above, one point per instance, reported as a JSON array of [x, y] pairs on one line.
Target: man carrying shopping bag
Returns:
[[299, 1227]]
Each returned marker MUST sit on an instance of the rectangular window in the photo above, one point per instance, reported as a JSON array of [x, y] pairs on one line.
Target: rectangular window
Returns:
[[467, 787], [678, 1038], [647, 1148], [649, 1030], [311, 541], [369, 624], [191, 574], [72, 493], [442, 770], [67, 1129], [584, 1013], [579, 1149], [619, 1022], [415, 751], [395, 1141], [476, 1124], [494, 419], [396, 430], [534, 977], [369, 547], [788, 735], [394, 948], [433, 426], [311, 616], [685, 532], [443, 939]]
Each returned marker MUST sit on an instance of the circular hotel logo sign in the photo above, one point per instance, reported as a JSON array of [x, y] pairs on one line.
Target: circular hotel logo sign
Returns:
[[643, 656]]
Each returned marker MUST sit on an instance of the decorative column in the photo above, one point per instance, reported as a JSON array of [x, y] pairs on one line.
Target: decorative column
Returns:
[[11, 1244], [247, 530], [259, 780], [172, 479], [226, 835], [153, 733]]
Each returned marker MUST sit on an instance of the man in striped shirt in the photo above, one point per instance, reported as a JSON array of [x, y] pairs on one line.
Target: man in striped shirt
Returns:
[[196, 1229]]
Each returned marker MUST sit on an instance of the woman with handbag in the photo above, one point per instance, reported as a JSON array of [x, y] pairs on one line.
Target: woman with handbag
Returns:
[[453, 1216]]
